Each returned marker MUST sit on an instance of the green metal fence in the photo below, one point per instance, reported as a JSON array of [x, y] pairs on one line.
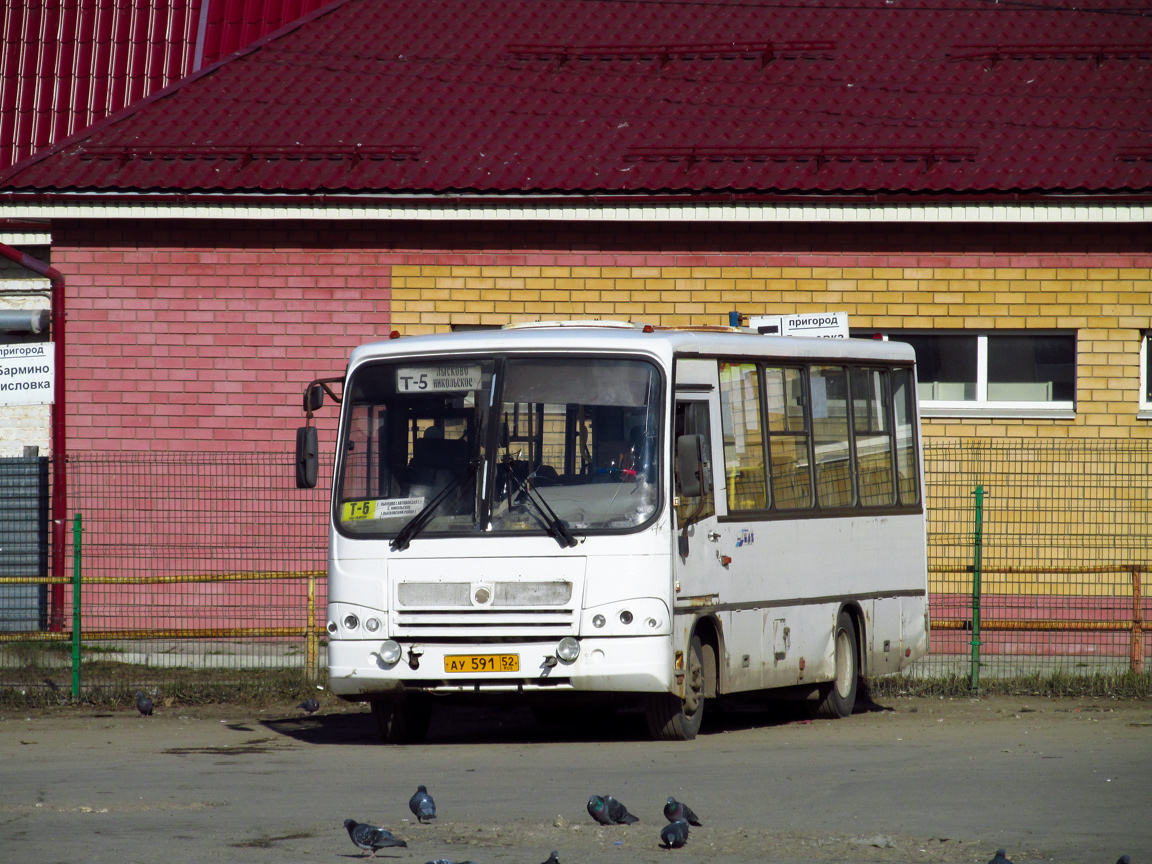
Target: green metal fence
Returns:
[[202, 574]]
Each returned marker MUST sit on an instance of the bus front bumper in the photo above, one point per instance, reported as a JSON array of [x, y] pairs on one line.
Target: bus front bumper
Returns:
[[609, 665]]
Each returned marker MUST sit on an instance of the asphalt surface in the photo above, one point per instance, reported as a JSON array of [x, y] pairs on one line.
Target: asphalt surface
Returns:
[[912, 780]]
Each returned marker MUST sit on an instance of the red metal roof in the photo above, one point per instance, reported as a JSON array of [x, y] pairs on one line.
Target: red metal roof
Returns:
[[65, 64], [393, 96]]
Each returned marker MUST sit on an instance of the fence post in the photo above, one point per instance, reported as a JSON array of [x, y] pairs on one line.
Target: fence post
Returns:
[[1137, 657], [77, 534], [311, 639], [977, 554]]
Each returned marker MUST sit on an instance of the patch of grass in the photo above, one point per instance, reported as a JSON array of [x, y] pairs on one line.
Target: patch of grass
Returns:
[[1117, 685], [113, 685]]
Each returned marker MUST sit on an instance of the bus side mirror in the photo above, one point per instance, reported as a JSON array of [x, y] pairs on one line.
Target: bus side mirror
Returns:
[[307, 457], [313, 398], [691, 478]]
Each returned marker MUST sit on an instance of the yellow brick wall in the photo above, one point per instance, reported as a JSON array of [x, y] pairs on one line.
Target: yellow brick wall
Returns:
[[1108, 308]]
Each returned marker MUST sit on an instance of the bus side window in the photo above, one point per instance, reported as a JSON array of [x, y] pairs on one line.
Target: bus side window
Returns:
[[833, 458], [692, 419], [871, 437], [789, 444], [907, 468], [743, 442]]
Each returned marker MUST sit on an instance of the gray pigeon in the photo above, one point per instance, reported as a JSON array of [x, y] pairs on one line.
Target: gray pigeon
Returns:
[[143, 704], [370, 838], [554, 858], [422, 805], [1001, 857], [1123, 859], [309, 706], [674, 834], [674, 810], [608, 811]]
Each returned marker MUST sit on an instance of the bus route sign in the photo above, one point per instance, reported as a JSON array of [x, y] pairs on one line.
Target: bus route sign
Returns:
[[437, 379]]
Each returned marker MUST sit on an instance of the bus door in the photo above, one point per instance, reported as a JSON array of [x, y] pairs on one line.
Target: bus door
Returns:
[[698, 570]]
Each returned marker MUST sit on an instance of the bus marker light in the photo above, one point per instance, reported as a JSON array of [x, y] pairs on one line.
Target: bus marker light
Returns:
[[598, 621], [332, 627], [351, 622], [390, 651], [568, 649], [652, 622]]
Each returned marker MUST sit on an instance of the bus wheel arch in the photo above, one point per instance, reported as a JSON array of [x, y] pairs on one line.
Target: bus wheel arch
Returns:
[[672, 718], [837, 698], [707, 630]]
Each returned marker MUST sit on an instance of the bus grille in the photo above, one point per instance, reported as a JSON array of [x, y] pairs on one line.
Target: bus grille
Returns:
[[503, 622]]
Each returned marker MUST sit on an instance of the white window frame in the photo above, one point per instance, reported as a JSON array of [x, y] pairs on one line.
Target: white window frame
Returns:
[[1144, 412], [981, 406]]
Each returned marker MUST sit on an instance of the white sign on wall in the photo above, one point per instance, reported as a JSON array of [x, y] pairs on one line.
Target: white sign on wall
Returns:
[[822, 325], [28, 373]]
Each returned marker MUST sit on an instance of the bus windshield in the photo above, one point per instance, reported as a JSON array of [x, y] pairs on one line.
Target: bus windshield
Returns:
[[519, 444]]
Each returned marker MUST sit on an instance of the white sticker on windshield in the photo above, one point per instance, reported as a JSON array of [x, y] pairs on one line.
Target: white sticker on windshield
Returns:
[[437, 379]]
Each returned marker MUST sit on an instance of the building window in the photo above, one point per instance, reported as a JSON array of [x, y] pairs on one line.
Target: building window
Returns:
[[1146, 376], [1004, 374]]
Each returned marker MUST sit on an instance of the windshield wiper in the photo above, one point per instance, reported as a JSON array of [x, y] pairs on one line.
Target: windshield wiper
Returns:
[[416, 524], [557, 528]]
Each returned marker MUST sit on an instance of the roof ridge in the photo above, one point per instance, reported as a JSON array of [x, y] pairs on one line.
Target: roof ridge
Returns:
[[140, 104]]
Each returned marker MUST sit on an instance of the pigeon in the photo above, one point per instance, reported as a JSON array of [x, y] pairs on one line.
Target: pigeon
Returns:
[[309, 706], [608, 811], [554, 858], [674, 834], [422, 805], [1123, 859], [674, 810], [143, 704], [369, 837], [1001, 857]]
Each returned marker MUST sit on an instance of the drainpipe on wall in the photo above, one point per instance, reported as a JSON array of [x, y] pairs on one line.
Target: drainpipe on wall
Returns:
[[59, 430]]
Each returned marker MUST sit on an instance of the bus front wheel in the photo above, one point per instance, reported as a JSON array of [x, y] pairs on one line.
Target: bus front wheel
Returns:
[[671, 718], [838, 697], [402, 720]]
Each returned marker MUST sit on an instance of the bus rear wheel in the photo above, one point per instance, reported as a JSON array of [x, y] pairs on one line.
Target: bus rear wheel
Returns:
[[402, 719], [671, 718], [838, 697]]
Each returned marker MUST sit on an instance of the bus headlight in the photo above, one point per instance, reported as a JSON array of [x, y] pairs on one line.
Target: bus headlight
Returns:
[[372, 625], [351, 622], [625, 617], [390, 651], [568, 649]]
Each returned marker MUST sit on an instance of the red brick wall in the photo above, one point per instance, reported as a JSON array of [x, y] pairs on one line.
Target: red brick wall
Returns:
[[202, 338], [201, 335]]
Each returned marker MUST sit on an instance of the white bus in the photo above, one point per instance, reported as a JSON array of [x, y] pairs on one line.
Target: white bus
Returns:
[[554, 512]]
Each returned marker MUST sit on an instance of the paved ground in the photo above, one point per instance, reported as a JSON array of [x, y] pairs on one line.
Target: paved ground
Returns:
[[916, 780]]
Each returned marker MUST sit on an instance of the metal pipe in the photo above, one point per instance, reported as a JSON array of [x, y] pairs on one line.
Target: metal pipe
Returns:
[[117, 635], [168, 580], [59, 430], [977, 556], [77, 535], [1046, 624], [1137, 659], [312, 638]]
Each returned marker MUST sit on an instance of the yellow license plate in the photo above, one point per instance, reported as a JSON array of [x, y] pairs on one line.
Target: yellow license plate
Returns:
[[482, 663]]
